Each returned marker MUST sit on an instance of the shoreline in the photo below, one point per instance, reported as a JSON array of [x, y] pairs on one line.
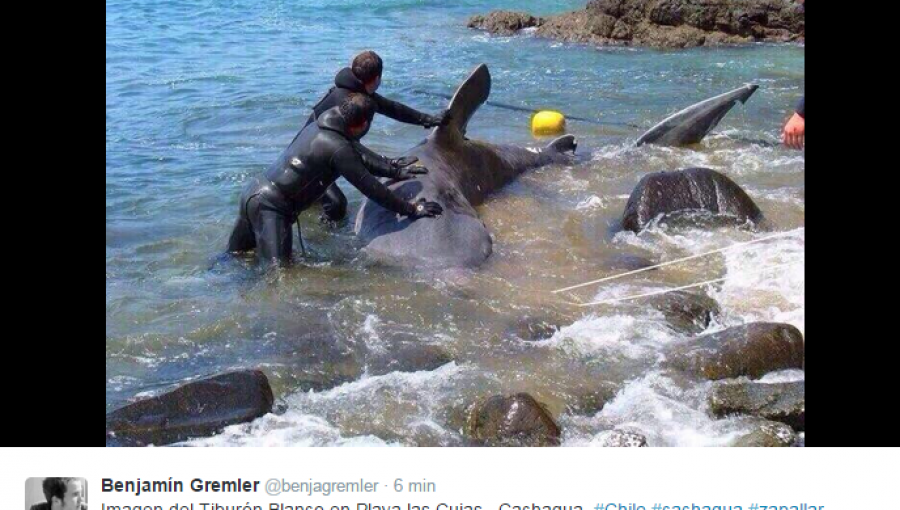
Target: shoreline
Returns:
[[658, 24]]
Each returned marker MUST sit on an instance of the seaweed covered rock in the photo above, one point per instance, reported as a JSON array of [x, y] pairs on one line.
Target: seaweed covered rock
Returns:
[[517, 420], [751, 350], [196, 409]]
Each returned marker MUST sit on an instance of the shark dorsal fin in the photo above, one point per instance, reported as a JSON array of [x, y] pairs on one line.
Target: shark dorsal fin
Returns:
[[469, 96]]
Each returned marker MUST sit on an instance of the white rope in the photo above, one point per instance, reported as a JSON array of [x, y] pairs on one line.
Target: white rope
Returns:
[[667, 291], [676, 261]]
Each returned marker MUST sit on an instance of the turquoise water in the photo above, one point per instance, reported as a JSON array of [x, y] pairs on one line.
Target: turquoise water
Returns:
[[202, 95]]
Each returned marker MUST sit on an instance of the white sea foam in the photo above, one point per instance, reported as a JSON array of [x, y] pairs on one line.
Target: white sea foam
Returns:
[[660, 410], [310, 418]]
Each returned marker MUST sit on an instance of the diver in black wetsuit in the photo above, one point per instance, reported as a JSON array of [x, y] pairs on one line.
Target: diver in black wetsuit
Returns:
[[321, 153], [364, 77]]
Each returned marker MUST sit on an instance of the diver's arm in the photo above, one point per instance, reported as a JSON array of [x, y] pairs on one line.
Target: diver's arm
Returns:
[[350, 165], [400, 112], [377, 164], [801, 107]]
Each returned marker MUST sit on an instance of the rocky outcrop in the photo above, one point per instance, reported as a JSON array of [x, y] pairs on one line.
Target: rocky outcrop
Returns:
[[518, 420], [752, 350], [695, 196], [197, 409], [504, 22], [782, 402], [661, 23]]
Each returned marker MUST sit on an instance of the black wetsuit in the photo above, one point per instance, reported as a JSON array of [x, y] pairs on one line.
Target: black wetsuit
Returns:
[[319, 154], [334, 202], [801, 107]]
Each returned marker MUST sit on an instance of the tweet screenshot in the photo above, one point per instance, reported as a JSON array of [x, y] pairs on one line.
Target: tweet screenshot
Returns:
[[456, 255]]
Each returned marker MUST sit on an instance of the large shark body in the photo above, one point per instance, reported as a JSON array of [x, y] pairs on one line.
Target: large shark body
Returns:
[[462, 173], [692, 124]]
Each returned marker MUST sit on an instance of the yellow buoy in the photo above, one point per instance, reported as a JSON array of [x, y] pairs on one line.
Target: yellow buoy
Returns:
[[547, 122]]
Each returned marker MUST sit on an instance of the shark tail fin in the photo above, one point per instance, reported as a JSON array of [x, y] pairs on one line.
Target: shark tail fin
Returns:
[[468, 97], [750, 89], [563, 144]]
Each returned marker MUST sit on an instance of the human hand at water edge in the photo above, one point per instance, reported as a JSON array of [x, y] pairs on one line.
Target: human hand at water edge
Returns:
[[794, 134]]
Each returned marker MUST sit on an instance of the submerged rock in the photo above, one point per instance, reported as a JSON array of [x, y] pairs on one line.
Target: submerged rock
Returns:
[[590, 397], [197, 409], [318, 362], [752, 350], [781, 402], [695, 195], [686, 312], [504, 22], [768, 434], [623, 439], [518, 420], [662, 23], [533, 329], [408, 357], [625, 262]]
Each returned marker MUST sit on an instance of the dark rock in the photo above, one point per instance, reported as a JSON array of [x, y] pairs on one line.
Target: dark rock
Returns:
[[768, 434], [685, 194], [662, 23], [752, 350], [503, 22], [197, 409], [782, 402], [623, 439], [686, 312], [519, 420]]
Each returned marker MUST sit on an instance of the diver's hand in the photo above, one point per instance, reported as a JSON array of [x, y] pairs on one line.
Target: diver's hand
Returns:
[[404, 161], [404, 174], [440, 119], [795, 132], [425, 209]]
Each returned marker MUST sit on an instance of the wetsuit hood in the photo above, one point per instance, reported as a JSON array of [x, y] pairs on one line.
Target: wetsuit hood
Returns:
[[332, 120], [345, 79]]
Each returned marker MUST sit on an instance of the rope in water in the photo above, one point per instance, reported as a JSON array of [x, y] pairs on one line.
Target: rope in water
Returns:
[[533, 110], [676, 261], [685, 287]]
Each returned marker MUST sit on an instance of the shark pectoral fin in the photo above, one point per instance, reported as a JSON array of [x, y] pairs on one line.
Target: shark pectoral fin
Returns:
[[565, 143], [468, 97]]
